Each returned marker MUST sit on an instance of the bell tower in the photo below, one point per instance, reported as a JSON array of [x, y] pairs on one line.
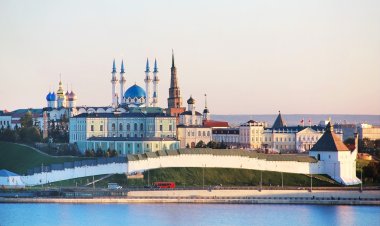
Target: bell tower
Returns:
[[174, 101]]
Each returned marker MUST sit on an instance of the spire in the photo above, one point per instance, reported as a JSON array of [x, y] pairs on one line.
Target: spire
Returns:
[[114, 66], [279, 122], [173, 65], [205, 101], [122, 67], [147, 69], [155, 65]]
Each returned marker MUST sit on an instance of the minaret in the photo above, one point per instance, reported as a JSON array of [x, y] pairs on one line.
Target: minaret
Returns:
[[147, 81], [206, 112], [174, 100], [122, 82], [113, 82], [155, 84]]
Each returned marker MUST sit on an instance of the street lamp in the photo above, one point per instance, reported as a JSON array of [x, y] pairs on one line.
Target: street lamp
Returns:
[[361, 180], [282, 180], [311, 182], [203, 175], [261, 180]]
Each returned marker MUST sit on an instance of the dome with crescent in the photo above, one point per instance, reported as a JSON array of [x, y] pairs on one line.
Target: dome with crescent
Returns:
[[135, 95]]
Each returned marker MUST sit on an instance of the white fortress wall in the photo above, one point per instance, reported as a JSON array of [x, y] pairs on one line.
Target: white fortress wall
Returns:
[[70, 173], [212, 161]]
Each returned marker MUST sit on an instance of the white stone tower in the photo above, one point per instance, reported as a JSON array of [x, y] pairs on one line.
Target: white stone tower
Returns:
[[147, 81], [114, 82], [122, 82], [206, 112], [156, 80]]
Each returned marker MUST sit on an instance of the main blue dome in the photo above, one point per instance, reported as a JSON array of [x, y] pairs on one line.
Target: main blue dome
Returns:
[[51, 96], [48, 97], [134, 91]]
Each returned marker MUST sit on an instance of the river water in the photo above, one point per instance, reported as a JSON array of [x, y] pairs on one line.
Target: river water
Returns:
[[186, 214]]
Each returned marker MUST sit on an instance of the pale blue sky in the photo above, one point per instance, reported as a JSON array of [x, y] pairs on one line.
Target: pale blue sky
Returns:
[[250, 57]]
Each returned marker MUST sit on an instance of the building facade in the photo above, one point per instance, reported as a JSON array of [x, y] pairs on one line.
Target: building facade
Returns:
[[369, 131], [139, 128]]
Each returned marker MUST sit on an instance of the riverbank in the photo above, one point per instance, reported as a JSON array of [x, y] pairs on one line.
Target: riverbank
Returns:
[[325, 197]]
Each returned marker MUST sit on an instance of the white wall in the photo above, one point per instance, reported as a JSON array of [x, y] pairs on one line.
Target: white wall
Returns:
[[84, 171], [343, 173]]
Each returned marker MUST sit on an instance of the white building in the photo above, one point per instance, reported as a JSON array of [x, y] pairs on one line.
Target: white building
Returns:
[[144, 125], [191, 129]]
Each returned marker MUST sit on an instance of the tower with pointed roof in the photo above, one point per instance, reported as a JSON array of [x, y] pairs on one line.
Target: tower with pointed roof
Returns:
[[174, 100], [337, 160], [122, 81], [114, 82], [156, 80], [147, 81], [61, 98], [279, 122], [206, 112]]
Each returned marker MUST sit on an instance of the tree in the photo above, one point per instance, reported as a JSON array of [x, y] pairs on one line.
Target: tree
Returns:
[[350, 143], [372, 171], [99, 153], [212, 144], [30, 134], [27, 120], [200, 144]]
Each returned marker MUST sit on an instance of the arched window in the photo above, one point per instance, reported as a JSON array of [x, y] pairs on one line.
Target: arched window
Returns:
[[141, 126], [113, 126], [128, 127], [135, 126], [121, 127]]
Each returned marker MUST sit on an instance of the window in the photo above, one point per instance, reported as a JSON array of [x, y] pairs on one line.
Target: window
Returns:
[[170, 127], [161, 128], [101, 127], [199, 133], [128, 127], [113, 127], [208, 133], [121, 127], [188, 133], [141, 126], [204, 133], [135, 126], [92, 127]]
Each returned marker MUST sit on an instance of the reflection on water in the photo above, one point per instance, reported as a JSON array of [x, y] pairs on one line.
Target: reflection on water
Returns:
[[186, 214]]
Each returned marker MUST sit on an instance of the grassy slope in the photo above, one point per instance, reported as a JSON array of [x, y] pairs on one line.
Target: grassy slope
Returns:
[[213, 176], [18, 159]]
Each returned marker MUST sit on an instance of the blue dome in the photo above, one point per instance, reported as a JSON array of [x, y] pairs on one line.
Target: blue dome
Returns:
[[48, 97], [134, 91], [53, 96]]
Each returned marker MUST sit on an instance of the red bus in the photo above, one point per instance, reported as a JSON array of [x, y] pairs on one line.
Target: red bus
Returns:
[[164, 184]]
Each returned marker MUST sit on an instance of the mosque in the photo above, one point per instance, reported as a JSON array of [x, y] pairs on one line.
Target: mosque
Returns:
[[133, 123]]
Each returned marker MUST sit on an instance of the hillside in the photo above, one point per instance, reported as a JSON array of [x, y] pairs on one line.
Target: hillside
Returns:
[[19, 159]]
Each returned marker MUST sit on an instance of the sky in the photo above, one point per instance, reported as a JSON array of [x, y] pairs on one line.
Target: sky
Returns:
[[250, 57]]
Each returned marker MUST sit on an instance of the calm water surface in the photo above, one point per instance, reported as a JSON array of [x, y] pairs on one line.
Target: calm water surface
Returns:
[[186, 214]]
